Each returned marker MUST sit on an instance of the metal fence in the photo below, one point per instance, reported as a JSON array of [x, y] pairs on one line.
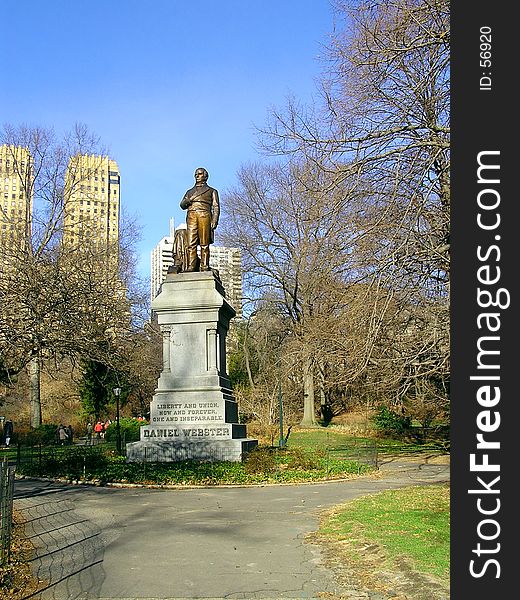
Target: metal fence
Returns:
[[363, 453], [48, 460], [78, 457], [6, 509]]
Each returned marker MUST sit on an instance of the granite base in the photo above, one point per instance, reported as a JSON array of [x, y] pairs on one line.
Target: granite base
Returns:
[[233, 450]]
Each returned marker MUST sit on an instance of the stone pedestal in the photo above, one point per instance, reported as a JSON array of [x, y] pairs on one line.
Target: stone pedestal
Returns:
[[193, 414]]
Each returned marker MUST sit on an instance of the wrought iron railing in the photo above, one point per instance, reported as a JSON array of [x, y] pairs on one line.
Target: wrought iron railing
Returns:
[[6, 509]]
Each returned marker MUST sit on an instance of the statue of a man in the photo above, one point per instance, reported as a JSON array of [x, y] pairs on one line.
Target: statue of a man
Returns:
[[202, 203]]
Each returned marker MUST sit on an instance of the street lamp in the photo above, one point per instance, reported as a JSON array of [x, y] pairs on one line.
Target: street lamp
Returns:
[[117, 393], [278, 367], [281, 442]]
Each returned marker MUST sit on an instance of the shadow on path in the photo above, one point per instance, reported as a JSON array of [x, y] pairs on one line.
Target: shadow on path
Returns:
[[243, 543], [68, 550]]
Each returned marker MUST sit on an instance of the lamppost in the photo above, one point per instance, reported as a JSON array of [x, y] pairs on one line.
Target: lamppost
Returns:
[[117, 392], [281, 442]]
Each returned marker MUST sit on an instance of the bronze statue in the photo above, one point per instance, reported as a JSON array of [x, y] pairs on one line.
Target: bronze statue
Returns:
[[202, 203], [180, 251]]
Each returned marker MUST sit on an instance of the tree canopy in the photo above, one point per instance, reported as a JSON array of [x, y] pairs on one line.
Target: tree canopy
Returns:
[[345, 229]]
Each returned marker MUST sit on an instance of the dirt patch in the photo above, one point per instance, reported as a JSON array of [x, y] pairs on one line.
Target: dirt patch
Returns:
[[368, 570]]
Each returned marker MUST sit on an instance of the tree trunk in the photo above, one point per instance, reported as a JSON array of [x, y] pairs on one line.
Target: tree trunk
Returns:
[[309, 417], [35, 400], [324, 408]]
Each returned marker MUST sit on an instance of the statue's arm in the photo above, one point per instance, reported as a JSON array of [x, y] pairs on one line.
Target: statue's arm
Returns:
[[215, 210], [185, 202]]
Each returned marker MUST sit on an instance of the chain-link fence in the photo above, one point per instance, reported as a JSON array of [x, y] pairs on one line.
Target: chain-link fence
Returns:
[[6, 509]]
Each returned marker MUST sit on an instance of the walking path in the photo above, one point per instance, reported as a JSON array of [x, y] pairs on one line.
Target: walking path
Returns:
[[140, 543]]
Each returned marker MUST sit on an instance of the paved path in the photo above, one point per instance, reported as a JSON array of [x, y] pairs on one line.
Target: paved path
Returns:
[[138, 543]]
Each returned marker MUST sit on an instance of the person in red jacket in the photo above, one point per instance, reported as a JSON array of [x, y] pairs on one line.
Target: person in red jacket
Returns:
[[98, 429]]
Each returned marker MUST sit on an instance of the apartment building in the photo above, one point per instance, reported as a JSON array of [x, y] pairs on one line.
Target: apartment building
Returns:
[[92, 202], [228, 262], [15, 198], [161, 258]]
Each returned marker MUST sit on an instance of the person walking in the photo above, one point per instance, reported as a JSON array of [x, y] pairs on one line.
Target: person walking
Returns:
[[62, 435], [89, 433], [8, 432], [98, 429], [70, 433], [106, 425]]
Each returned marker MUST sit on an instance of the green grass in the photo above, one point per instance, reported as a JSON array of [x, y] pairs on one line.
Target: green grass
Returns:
[[325, 438], [311, 455], [412, 522], [321, 438], [264, 466]]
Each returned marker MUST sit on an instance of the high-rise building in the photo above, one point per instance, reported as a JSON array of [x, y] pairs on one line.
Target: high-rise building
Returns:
[[15, 198], [161, 259], [92, 202], [226, 260]]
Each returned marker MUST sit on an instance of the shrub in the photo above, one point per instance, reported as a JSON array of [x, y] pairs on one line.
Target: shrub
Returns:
[[44, 434], [72, 462], [129, 428], [298, 458], [391, 423], [260, 460]]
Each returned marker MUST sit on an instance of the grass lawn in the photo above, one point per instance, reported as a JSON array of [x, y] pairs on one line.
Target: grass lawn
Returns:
[[411, 523], [322, 437], [100, 464], [311, 455]]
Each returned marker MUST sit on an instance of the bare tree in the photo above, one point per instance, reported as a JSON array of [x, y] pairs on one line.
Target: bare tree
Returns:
[[58, 299], [266, 376], [380, 139], [296, 243], [142, 365]]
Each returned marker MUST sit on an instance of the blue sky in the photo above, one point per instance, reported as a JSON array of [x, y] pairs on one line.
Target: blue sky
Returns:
[[168, 85]]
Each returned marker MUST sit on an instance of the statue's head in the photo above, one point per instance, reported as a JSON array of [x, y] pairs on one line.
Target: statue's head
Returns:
[[201, 175]]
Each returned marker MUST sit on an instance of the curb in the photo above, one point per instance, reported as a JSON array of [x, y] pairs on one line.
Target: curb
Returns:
[[119, 485]]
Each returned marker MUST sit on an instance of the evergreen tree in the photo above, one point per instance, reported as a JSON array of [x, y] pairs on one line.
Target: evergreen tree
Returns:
[[97, 385]]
